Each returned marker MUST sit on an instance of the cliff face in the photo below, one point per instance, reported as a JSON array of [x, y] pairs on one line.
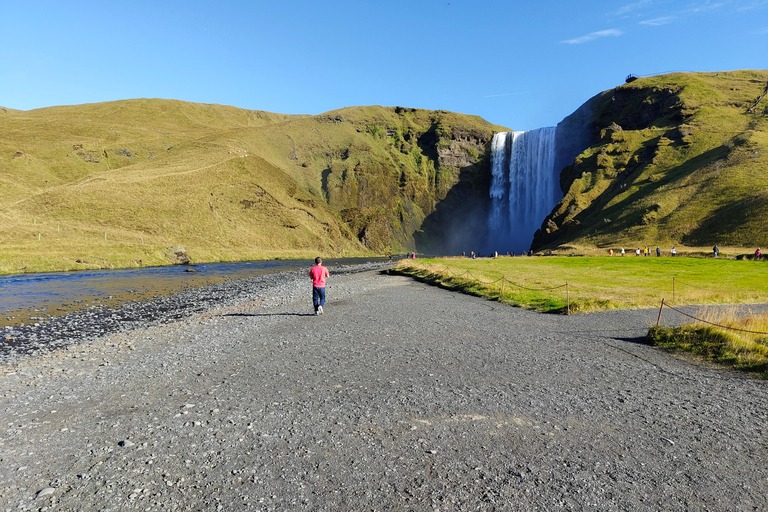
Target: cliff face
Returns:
[[391, 182], [673, 159]]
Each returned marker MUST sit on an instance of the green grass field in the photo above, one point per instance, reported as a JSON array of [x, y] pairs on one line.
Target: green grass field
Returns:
[[598, 283]]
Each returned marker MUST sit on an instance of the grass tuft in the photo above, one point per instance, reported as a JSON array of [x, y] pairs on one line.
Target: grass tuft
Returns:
[[726, 343]]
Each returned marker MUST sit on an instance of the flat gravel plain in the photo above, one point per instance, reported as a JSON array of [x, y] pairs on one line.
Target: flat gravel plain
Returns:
[[401, 396]]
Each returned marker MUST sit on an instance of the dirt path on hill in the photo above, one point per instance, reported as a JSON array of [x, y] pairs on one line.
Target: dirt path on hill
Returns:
[[400, 397]]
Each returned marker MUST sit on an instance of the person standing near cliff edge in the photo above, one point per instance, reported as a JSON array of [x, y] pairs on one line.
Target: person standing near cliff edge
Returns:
[[318, 273]]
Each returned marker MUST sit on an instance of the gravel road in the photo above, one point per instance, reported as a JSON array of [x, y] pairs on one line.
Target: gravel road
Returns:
[[401, 396]]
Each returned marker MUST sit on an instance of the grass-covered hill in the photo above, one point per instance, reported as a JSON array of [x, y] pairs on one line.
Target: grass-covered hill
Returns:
[[146, 181], [677, 160]]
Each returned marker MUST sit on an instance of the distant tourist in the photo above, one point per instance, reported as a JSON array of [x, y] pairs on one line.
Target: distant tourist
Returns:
[[673, 252], [637, 252], [716, 250], [658, 251], [318, 273], [622, 251], [758, 254], [610, 252], [413, 255]]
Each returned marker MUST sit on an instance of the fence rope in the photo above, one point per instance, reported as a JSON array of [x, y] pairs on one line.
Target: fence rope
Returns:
[[712, 323], [431, 268], [677, 281], [533, 289]]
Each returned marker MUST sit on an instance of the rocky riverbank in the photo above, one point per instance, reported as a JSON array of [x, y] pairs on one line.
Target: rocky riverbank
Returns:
[[46, 334]]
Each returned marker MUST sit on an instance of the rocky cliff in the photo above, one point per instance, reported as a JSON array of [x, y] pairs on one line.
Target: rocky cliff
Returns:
[[411, 179]]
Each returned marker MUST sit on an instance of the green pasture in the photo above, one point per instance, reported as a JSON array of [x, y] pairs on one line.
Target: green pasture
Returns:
[[552, 284]]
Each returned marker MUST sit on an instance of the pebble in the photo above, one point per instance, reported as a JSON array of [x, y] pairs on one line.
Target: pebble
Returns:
[[45, 492]]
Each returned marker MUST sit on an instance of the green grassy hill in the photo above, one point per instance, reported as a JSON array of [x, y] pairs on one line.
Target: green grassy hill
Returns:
[[139, 182], [677, 160], [674, 160]]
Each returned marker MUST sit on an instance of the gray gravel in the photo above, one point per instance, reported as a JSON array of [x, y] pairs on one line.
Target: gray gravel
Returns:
[[401, 396]]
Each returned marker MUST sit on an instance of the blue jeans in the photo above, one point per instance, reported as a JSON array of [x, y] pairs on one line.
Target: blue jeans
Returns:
[[318, 296]]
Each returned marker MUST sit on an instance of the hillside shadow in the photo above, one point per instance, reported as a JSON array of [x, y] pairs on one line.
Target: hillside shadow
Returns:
[[588, 216], [724, 224], [428, 143], [460, 221], [324, 182]]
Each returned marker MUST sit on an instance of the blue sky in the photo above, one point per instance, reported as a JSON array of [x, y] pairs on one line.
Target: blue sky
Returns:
[[518, 64]]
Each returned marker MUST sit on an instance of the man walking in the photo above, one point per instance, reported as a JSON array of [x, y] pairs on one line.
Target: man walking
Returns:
[[318, 273]]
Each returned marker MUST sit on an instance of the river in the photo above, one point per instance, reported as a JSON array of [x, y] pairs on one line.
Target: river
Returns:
[[28, 298]]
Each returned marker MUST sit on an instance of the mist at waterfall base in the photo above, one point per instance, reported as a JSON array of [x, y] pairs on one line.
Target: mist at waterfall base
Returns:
[[524, 187]]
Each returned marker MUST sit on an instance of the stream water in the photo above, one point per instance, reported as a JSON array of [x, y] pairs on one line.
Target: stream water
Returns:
[[28, 298]]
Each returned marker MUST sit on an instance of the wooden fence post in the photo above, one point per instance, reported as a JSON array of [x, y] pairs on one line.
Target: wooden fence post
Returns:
[[673, 289], [501, 295], [660, 310]]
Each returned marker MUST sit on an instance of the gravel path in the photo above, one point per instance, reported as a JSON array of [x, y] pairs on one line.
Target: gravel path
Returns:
[[401, 396]]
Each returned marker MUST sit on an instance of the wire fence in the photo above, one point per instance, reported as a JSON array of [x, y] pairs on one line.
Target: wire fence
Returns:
[[675, 280], [721, 326], [502, 278]]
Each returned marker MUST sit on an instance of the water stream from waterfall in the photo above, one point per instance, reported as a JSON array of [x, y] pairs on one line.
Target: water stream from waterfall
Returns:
[[524, 186]]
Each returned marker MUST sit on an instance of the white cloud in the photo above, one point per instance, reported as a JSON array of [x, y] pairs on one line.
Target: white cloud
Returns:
[[703, 8], [749, 6], [594, 35], [658, 21], [633, 7]]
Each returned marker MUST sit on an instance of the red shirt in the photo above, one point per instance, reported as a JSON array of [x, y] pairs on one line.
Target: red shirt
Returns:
[[318, 273]]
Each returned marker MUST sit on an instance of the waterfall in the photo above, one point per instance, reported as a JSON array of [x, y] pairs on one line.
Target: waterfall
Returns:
[[524, 186]]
